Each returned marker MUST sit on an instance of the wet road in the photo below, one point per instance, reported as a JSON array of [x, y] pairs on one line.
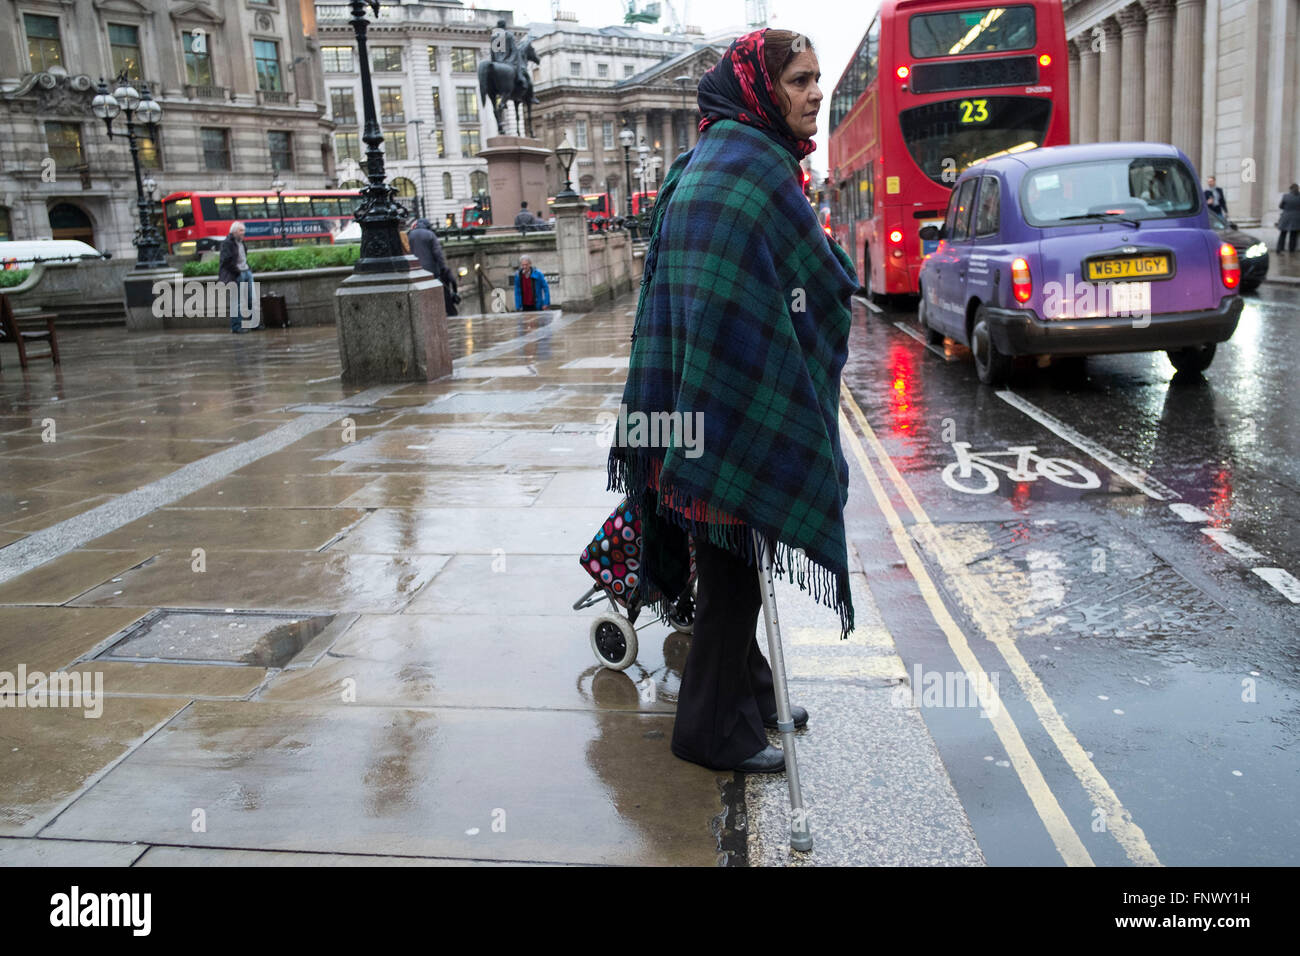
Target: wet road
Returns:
[[1125, 587]]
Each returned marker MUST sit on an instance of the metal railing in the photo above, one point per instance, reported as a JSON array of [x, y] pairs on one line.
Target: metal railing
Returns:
[[274, 98], [201, 92]]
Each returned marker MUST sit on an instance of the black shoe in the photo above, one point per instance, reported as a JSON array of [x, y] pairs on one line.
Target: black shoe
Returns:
[[238, 331], [768, 760], [798, 713]]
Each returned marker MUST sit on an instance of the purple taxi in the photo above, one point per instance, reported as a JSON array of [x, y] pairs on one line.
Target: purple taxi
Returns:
[[1079, 250]]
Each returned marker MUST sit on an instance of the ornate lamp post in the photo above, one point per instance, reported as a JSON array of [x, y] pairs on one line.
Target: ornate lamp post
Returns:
[[138, 106], [657, 163], [643, 152], [379, 213], [627, 138], [278, 186], [421, 204], [565, 153]]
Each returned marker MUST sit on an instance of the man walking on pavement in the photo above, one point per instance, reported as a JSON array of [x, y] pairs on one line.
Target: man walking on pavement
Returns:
[[1215, 199], [234, 269], [426, 248], [531, 291]]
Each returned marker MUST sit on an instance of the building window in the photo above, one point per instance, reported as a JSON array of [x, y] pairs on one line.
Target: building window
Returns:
[[64, 142], [602, 71], [405, 188], [627, 70], [386, 59], [466, 104], [124, 46], [266, 53], [44, 48], [343, 105], [216, 148], [198, 63], [346, 146], [440, 143], [437, 106], [607, 134], [446, 186], [575, 68], [390, 105], [6, 225], [395, 144], [281, 146], [469, 143], [464, 59], [150, 158], [337, 59], [433, 59], [581, 134], [478, 182]]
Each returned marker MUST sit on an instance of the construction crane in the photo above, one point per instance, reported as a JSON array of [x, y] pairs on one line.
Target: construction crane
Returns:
[[648, 14]]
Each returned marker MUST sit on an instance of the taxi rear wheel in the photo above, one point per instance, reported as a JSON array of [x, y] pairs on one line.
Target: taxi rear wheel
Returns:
[[992, 366], [923, 316], [1195, 359]]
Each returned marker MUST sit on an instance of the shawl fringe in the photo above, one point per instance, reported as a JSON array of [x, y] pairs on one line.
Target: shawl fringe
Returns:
[[629, 474]]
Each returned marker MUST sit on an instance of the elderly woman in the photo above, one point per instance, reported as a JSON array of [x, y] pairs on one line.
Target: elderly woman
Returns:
[[742, 323], [233, 268]]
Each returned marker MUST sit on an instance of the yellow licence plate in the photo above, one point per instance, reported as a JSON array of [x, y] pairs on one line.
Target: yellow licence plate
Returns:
[[1137, 267]]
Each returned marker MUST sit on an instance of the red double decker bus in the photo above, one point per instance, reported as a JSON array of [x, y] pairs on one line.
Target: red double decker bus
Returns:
[[198, 221], [935, 86]]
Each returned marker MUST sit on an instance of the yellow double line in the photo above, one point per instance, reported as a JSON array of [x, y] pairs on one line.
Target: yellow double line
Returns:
[[1119, 823]]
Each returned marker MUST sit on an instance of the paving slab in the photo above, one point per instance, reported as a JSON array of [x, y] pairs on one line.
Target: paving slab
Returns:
[[29, 851], [48, 755], [485, 660], [275, 491], [287, 529], [205, 857], [561, 786], [270, 580], [475, 531], [49, 638], [62, 579], [448, 490], [517, 584], [39, 509], [132, 679]]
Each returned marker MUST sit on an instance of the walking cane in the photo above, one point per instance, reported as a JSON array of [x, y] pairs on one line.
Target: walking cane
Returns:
[[800, 836]]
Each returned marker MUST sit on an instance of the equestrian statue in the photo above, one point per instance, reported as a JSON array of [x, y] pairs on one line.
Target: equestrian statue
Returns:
[[504, 77]]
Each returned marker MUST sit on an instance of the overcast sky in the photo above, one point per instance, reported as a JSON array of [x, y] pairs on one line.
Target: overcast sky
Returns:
[[834, 27]]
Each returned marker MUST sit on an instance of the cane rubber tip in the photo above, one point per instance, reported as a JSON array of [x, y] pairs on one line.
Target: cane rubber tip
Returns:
[[801, 842]]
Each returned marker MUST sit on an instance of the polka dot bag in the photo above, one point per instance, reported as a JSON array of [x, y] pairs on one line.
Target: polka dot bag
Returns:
[[613, 558]]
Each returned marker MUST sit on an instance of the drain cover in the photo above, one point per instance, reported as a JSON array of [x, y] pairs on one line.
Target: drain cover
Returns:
[[256, 639]]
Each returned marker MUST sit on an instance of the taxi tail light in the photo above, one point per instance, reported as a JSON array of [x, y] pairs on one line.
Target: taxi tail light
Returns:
[[1229, 268], [1022, 287]]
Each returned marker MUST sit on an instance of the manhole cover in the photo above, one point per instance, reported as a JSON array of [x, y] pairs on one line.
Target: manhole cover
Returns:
[[255, 639]]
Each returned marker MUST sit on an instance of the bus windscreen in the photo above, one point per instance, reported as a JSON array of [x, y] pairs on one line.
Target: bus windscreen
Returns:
[[964, 32], [944, 138]]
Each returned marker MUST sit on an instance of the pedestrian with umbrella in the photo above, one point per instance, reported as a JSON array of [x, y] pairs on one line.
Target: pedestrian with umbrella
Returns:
[[742, 325]]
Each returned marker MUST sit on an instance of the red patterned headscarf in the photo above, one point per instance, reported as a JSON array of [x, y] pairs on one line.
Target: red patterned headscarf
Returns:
[[738, 88]]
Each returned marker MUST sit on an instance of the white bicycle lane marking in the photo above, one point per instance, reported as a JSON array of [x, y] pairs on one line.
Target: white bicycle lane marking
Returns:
[[975, 473]]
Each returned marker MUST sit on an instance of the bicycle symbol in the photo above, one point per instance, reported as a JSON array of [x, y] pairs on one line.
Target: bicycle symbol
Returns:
[[974, 472]]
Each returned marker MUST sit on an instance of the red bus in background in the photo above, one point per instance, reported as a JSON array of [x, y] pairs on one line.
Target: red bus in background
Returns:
[[935, 86], [600, 206], [198, 221]]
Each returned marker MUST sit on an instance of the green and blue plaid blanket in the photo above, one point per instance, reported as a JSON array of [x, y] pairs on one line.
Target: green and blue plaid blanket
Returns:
[[741, 328]]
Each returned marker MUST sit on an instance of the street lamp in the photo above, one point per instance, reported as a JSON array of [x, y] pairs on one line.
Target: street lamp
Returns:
[[139, 106], [643, 151], [627, 138], [278, 186], [657, 162], [379, 213], [419, 152], [565, 153]]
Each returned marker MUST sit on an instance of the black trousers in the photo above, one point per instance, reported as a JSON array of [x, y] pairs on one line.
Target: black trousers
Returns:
[[727, 682], [1282, 239]]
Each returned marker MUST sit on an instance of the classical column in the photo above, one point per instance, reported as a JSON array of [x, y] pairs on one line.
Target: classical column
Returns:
[[1133, 27], [1072, 52], [666, 141], [1158, 70], [1108, 84], [1088, 47], [1189, 29]]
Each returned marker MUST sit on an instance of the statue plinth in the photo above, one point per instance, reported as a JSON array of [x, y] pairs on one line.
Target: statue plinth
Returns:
[[516, 172]]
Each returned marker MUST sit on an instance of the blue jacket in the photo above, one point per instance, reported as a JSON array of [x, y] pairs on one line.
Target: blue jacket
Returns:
[[541, 291]]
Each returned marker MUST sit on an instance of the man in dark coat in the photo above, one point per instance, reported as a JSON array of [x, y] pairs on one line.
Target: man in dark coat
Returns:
[[525, 221], [428, 251], [1215, 199], [234, 269], [1288, 224]]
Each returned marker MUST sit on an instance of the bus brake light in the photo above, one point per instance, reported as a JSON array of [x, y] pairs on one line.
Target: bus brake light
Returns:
[[1021, 285], [896, 236], [903, 72], [1045, 60]]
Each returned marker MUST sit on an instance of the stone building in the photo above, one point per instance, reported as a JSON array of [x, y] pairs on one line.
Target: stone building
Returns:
[[424, 59], [593, 81], [238, 83], [1217, 78]]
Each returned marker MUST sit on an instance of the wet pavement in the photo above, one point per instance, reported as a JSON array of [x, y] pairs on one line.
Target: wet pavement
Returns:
[[335, 626], [1131, 584]]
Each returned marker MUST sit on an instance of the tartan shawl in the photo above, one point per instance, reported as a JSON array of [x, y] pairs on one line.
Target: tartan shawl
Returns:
[[742, 321]]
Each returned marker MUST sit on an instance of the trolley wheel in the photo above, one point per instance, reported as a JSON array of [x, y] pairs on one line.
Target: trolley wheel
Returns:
[[613, 641], [682, 615]]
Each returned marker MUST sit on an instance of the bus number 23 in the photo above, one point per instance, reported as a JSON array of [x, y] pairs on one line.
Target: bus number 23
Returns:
[[974, 111]]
